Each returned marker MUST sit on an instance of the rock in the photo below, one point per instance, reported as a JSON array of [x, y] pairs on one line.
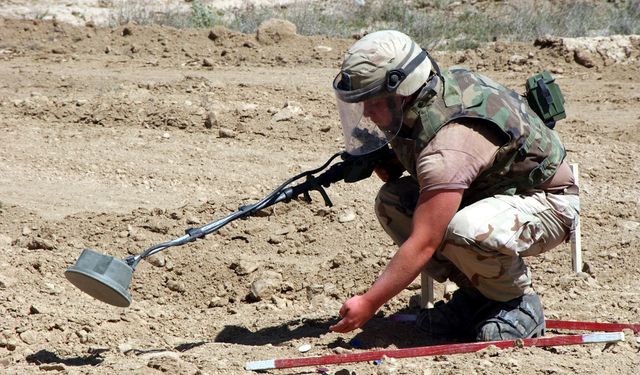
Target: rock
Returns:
[[40, 244], [243, 267], [127, 31], [274, 239], [218, 33], [322, 49], [36, 309], [304, 348], [29, 337], [347, 216], [52, 367], [517, 60], [266, 285], [289, 111], [211, 120], [275, 30], [226, 133], [217, 302], [83, 336], [157, 260], [175, 286], [26, 231], [547, 41], [207, 62], [584, 58]]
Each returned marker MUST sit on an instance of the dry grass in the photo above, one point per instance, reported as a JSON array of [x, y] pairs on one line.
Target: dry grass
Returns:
[[436, 24]]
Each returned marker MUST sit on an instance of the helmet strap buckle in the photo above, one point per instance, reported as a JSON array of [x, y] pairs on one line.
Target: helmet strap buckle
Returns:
[[394, 79]]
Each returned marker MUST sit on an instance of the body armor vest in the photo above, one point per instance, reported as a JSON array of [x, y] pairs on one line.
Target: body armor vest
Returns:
[[532, 151]]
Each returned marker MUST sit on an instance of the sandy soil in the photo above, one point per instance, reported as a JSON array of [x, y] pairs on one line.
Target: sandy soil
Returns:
[[118, 139]]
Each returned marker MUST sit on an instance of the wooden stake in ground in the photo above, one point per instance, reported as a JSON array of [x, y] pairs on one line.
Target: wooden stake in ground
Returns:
[[432, 350]]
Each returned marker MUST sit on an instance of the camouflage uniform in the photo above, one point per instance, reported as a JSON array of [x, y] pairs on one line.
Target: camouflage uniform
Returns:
[[485, 241], [503, 218]]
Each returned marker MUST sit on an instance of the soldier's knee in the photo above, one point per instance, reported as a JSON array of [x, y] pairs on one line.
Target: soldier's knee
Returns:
[[461, 229]]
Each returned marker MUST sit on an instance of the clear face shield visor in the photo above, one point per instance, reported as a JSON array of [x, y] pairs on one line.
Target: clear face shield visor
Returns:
[[370, 124], [372, 116]]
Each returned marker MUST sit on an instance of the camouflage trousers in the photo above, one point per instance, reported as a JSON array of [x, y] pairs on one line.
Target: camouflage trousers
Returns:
[[485, 241]]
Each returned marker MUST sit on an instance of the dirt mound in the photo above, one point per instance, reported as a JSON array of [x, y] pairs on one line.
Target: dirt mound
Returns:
[[119, 139]]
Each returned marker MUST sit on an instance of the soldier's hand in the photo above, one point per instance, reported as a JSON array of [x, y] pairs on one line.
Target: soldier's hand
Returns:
[[355, 313], [389, 171]]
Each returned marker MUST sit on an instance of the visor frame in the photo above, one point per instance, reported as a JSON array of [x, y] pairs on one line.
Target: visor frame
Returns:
[[389, 84]]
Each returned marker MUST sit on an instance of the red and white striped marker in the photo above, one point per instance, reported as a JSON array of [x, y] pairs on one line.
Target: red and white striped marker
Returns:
[[432, 350], [591, 326], [554, 324]]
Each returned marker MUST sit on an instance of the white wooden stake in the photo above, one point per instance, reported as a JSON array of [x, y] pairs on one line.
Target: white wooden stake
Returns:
[[426, 297], [576, 243]]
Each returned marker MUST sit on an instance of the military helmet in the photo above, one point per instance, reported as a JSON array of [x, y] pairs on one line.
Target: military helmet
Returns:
[[378, 70]]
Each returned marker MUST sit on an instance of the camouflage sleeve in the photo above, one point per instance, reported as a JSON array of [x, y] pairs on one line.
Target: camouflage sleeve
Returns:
[[457, 154]]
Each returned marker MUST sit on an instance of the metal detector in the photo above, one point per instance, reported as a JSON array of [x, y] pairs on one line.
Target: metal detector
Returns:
[[107, 278]]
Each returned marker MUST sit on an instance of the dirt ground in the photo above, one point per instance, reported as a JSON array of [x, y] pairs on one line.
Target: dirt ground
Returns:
[[119, 139]]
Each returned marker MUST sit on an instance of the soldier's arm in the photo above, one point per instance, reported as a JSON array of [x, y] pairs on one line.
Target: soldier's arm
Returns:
[[433, 213]]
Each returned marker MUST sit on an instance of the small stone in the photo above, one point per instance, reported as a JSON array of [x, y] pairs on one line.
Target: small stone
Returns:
[[35, 309], [217, 302], [347, 216], [517, 60], [211, 120], [29, 337], [52, 367], [218, 33], [321, 48], [243, 267], [127, 31], [287, 113], [157, 260], [83, 335], [266, 285], [207, 62], [274, 239], [226, 133], [304, 348], [166, 135], [40, 244], [583, 58], [175, 286], [26, 231]]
